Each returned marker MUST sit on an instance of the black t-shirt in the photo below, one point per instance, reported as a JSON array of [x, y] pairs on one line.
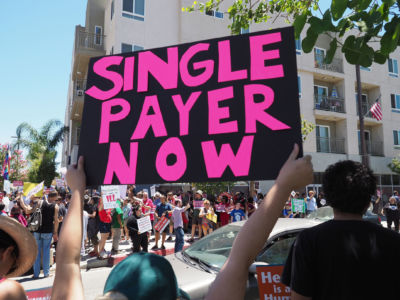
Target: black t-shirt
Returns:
[[93, 223], [344, 260], [47, 217]]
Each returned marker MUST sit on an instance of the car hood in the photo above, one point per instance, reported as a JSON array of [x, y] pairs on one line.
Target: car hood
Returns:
[[192, 279]]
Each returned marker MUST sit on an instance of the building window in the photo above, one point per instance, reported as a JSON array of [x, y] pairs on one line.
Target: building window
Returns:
[[244, 30], [393, 68], [133, 9], [323, 139], [395, 101], [396, 137], [130, 48], [299, 84], [298, 46], [214, 13], [365, 68], [112, 9], [98, 35]]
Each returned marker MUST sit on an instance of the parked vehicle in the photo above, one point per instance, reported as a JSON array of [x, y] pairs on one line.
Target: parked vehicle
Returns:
[[326, 213]]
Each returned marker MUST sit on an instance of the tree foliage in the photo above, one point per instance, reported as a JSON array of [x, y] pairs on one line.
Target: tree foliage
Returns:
[[214, 188], [41, 145], [395, 165], [373, 21], [18, 164]]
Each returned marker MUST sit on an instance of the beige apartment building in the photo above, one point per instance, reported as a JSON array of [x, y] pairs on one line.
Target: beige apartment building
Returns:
[[327, 91]]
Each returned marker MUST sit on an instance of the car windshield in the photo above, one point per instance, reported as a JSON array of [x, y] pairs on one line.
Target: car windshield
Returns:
[[214, 248], [322, 213]]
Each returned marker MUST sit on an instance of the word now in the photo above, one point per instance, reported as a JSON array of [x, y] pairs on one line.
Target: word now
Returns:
[[215, 162], [167, 72]]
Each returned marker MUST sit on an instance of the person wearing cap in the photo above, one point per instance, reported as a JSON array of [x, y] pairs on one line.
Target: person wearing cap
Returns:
[[196, 220], [18, 252]]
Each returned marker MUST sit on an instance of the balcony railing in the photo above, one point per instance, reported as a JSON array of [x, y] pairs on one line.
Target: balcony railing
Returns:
[[90, 40], [79, 87], [373, 148], [330, 145], [336, 65], [329, 103]]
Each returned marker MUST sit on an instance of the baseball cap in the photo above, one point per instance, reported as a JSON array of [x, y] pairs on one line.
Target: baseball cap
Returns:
[[144, 276]]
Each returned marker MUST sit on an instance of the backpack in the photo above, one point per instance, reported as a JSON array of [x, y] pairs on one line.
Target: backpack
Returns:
[[35, 220]]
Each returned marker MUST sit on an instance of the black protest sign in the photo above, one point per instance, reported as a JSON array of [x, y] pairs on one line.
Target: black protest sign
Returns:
[[222, 109]]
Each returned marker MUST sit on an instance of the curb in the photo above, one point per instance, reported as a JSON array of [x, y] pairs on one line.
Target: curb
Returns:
[[114, 260]]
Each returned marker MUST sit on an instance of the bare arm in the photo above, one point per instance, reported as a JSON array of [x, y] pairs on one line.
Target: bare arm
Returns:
[[68, 282], [27, 209], [253, 235]]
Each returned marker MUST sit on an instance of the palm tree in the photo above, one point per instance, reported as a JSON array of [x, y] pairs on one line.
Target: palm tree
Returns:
[[41, 145]]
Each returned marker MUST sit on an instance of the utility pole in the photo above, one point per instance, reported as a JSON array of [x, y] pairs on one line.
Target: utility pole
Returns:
[[364, 154]]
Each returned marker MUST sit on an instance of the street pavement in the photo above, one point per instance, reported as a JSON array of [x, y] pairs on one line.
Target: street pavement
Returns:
[[94, 272]]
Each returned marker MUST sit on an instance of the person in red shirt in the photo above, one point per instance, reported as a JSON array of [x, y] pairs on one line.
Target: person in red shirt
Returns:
[[105, 228]]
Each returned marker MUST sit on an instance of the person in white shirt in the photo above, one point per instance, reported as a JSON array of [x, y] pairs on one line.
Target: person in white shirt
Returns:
[[6, 202], [311, 202], [178, 224]]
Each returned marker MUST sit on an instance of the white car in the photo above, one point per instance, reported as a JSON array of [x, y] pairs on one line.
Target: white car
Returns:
[[197, 266]]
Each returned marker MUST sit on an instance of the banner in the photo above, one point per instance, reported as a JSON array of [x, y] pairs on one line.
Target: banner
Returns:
[[212, 217], [196, 112], [122, 191], [198, 204], [161, 224], [31, 189], [42, 294], [152, 190], [110, 194], [298, 205], [60, 183], [144, 224], [18, 183], [220, 207], [269, 283], [7, 186]]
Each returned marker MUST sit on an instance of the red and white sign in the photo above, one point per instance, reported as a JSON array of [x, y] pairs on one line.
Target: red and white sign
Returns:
[[198, 203], [161, 224], [269, 283], [220, 207], [42, 294], [18, 183], [110, 194]]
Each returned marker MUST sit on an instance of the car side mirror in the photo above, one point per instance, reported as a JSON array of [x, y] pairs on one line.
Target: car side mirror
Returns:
[[253, 266]]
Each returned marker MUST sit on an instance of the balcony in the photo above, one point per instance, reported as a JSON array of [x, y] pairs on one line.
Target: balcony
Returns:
[[77, 99], [327, 103], [335, 66], [373, 148], [330, 145], [90, 41], [365, 110]]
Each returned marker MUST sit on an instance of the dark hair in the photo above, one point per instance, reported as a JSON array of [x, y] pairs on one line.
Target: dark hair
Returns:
[[2, 206], [348, 186], [53, 194]]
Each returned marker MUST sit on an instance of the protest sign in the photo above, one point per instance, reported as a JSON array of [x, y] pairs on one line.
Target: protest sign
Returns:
[[7, 186], [220, 207], [161, 224], [60, 183], [18, 183], [212, 217], [144, 224], [269, 283], [110, 194], [122, 191], [152, 190], [196, 112], [31, 189], [298, 205], [293, 193], [198, 204]]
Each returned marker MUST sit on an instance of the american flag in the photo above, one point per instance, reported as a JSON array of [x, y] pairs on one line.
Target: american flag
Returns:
[[376, 110]]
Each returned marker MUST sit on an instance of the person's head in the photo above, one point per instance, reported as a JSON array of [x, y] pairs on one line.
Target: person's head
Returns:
[[348, 186], [297, 196], [311, 193], [2, 206], [68, 197], [237, 205], [157, 195], [52, 197], [395, 193], [4, 193], [145, 196], [250, 200], [392, 200], [163, 199], [137, 210], [206, 204], [153, 277], [18, 248], [198, 195], [139, 195], [178, 203], [170, 196]]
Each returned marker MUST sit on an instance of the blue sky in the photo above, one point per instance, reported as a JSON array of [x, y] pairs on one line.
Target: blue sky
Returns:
[[35, 60]]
